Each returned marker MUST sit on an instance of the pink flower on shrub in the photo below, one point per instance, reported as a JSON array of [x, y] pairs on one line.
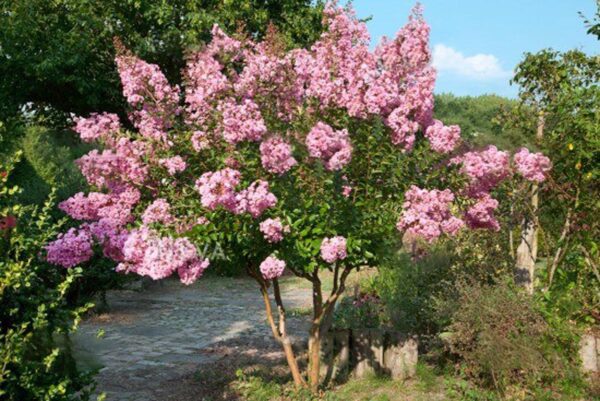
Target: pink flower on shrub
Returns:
[[276, 156], [70, 249], [272, 268], [403, 128], [333, 249], [426, 213], [158, 211], [200, 141], [97, 126], [485, 169], [241, 122], [481, 214], [332, 147], [532, 166], [155, 102], [205, 82], [255, 199], [147, 254], [85, 207], [218, 188], [273, 229], [192, 271], [174, 164], [443, 138]]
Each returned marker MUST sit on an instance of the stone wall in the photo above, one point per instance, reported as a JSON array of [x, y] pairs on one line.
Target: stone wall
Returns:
[[362, 352]]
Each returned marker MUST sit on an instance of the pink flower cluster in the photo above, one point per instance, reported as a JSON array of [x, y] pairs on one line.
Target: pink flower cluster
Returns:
[[241, 122], [426, 214], [532, 166], [200, 141], [117, 166], [276, 155], [443, 138], [332, 147], [273, 229], [82, 207], [97, 126], [481, 214], [147, 254], [205, 83], [71, 248], [485, 169], [147, 90], [174, 164], [333, 249], [255, 199], [158, 211], [272, 268], [218, 188]]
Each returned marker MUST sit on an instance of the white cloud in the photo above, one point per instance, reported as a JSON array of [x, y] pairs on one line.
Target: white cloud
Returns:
[[480, 66]]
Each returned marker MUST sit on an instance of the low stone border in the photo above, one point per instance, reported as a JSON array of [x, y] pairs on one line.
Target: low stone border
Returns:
[[362, 352]]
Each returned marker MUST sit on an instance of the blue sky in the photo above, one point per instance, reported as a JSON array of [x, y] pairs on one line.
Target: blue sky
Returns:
[[477, 43]]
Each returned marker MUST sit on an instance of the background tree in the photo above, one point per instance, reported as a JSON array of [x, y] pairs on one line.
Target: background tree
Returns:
[[562, 87], [60, 54]]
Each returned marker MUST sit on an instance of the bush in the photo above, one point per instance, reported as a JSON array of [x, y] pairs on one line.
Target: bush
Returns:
[[502, 338], [34, 314]]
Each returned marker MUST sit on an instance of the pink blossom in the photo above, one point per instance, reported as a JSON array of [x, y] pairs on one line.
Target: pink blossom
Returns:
[[200, 141], [192, 271], [70, 249], [272, 268], [205, 83], [218, 188], [332, 147], [346, 191], [273, 229], [255, 199], [403, 129], [481, 214], [97, 126], [532, 166], [333, 249], [222, 44], [485, 169], [147, 254], [82, 207], [155, 102], [276, 155], [443, 138], [241, 122], [426, 213], [174, 164], [158, 211]]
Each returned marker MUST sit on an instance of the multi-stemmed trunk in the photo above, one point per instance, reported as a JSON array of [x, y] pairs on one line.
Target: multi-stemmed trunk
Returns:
[[321, 322]]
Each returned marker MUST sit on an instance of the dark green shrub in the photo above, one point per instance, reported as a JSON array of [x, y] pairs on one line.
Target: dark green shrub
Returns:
[[34, 314], [502, 338]]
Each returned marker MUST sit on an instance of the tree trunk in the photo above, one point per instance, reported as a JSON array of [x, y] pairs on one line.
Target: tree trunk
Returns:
[[279, 330], [528, 247], [322, 319]]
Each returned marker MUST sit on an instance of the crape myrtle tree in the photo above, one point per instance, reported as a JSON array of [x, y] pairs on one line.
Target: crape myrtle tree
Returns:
[[304, 160]]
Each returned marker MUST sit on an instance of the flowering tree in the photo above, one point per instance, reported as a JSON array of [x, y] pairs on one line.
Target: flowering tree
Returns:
[[302, 160]]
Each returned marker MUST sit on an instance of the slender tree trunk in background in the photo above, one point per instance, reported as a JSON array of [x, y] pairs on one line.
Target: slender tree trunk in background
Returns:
[[527, 250]]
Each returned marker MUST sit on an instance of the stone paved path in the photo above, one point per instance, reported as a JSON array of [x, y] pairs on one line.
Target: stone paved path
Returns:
[[152, 341]]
